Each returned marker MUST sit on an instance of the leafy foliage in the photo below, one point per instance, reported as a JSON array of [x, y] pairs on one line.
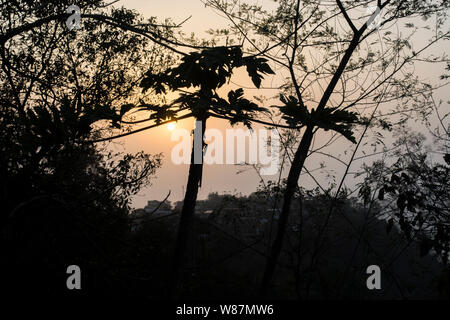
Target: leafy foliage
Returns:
[[63, 198], [207, 71], [416, 193], [334, 119]]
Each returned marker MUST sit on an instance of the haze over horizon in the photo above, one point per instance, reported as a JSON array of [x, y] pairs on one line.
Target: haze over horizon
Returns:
[[224, 178]]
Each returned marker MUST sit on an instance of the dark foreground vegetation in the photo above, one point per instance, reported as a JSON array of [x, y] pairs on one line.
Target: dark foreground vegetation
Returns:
[[324, 257]]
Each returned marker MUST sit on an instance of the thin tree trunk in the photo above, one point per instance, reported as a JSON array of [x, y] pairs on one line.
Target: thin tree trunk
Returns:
[[297, 166], [294, 174], [187, 214]]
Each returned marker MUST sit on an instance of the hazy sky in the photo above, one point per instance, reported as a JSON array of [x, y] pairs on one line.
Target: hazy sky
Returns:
[[220, 178]]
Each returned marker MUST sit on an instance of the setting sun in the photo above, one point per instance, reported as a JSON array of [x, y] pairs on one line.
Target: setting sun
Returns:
[[171, 126]]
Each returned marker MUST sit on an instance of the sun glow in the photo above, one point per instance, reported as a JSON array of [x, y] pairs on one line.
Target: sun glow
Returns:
[[171, 126]]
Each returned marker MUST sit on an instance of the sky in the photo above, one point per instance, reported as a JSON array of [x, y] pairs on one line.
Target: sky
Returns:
[[216, 178], [170, 177]]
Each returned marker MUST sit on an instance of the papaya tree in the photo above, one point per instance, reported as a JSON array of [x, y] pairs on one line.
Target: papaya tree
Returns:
[[205, 72]]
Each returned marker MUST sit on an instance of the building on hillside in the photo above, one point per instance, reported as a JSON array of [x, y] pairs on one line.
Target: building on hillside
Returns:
[[155, 207]]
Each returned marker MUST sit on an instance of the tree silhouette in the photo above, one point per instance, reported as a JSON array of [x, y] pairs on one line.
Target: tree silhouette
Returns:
[[325, 90], [206, 72], [59, 89], [415, 193]]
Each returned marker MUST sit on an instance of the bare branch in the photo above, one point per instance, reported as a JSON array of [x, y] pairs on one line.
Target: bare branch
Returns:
[[347, 18]]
